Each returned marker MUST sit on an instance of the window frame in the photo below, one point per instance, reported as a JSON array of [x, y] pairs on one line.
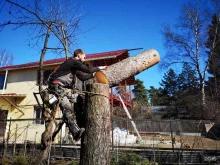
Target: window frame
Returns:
[[46, 74], [2, 82], [38, 115]]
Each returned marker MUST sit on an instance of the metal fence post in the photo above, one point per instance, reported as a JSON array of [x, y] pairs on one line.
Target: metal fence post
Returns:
[[14, 148], [25, 144], [112, 135], [8, 136]]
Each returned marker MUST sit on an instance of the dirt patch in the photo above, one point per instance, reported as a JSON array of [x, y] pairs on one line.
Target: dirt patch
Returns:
[[180, 141]]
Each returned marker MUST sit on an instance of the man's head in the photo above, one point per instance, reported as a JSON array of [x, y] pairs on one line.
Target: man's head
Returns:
[[79, 54]]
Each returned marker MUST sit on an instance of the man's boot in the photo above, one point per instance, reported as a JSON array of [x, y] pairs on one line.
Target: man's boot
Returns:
[[74, 129]]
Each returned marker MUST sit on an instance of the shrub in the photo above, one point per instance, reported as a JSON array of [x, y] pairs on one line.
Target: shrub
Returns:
[[130, 159], [74, 163], [20, 160], [5, 161]]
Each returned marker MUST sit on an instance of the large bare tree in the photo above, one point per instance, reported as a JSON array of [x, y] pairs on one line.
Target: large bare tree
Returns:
[[185, 42], [53, 20], [6, 58]]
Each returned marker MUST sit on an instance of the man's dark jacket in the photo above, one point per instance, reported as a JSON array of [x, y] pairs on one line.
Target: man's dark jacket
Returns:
[[71, 70]]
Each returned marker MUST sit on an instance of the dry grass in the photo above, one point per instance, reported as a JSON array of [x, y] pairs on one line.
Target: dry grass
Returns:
[[188, 142]]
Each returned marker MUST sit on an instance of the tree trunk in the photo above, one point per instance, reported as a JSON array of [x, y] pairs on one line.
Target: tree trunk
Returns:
[[43, 52], [128, 67], [96, 141], [52, 127]]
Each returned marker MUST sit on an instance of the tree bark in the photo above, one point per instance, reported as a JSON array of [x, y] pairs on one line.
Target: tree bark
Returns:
[[43, 52], [128, 67], [96, 141], [52, 127]]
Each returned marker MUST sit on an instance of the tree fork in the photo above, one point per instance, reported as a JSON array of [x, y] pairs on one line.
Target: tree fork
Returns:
[[96, 141]]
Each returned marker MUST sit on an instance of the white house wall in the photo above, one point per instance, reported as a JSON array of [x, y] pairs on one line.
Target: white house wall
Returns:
[[22, 82]]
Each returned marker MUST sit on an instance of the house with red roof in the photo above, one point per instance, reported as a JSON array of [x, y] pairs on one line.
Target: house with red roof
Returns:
[[21, 114]]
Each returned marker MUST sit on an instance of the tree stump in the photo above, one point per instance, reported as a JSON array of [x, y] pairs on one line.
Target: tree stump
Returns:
[[96, 140]]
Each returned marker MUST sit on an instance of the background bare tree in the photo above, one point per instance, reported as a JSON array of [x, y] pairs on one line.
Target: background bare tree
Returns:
[[186, 44], [48, 21], [51, 21], [6, 58]]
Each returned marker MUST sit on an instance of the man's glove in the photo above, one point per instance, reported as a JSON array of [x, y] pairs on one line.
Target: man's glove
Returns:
[[103, 67]]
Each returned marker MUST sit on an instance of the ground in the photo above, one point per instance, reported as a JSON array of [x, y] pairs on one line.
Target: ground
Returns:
[[160, 141], [188, 142], [52, 162], [63, 162]]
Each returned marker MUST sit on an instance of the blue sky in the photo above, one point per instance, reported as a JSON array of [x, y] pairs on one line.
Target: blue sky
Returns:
[[124, 24]]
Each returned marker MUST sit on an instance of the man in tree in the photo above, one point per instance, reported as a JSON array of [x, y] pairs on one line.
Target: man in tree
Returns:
[[70, 75]]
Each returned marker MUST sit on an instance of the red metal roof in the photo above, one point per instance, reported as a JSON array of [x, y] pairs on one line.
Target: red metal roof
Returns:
[[95, 56]]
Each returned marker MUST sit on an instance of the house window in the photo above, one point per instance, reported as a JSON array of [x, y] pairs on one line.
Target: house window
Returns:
[[2, 79], [46, 75], [38, 115]]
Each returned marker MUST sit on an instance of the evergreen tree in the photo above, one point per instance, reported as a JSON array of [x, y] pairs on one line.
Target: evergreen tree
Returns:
[[140, 93], [140, 101], [176, 88], [213, 45], [170, 83], [157, 96], [188, 82]]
